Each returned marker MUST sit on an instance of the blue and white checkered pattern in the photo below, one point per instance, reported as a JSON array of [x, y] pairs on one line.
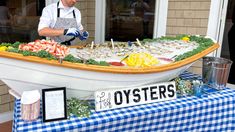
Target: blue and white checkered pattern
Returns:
[[213, 112]]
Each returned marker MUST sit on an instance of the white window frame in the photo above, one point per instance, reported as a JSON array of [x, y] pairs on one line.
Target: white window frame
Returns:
[[159, 20], [216, 23], [100, 6]]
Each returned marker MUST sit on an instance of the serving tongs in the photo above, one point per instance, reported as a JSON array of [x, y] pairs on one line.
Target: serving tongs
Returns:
[[68, 42]]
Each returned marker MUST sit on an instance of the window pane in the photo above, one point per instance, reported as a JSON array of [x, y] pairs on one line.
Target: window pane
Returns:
[[19, 20], [129, 19]]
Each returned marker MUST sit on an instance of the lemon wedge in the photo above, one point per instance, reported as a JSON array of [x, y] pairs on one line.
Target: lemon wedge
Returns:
[[141, 60]]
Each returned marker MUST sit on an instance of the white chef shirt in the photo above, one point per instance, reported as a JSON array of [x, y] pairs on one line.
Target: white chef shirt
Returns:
[[49, 15]]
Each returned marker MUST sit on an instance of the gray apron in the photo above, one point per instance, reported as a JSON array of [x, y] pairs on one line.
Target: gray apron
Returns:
[[65, 23]]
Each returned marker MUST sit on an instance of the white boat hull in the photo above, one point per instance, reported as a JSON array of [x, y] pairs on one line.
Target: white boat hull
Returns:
[[22, 75]]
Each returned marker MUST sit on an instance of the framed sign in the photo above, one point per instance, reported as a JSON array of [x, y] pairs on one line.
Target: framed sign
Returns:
[[54, 104]]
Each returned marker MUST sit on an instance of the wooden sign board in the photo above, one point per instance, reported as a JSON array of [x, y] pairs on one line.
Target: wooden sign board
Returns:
[[123, 97]]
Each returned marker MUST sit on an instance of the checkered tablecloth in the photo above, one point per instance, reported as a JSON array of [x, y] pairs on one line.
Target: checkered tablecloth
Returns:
[[213, 112]]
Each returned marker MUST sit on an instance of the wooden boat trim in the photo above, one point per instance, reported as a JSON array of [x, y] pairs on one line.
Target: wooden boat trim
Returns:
[[110, 69]]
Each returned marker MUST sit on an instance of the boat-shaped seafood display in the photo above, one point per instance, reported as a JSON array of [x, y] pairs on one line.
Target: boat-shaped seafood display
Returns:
[[88, 68]]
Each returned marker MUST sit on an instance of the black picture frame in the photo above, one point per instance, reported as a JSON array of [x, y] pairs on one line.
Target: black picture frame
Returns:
[[44, 99]]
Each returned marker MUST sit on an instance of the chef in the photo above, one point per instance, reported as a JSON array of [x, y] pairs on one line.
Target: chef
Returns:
[[61, 22]]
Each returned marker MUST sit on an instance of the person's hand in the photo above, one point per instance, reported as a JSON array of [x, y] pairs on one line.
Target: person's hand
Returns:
[[85, 35], [72, 32], [76, 33]]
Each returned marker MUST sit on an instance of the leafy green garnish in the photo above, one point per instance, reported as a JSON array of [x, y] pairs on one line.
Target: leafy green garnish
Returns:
[[42, 53], [45, 54], [104, 63], [80, 108], [14, 50], [94, 62], [6, 44], [71, 58], [26, 53], [16, 44]]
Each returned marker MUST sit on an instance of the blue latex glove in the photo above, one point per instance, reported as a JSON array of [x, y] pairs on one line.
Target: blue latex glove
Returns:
[[76, 33], [72, 32], [85, 35]]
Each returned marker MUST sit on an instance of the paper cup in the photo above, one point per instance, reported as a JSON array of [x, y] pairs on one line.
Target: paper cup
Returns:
[[30, 105]]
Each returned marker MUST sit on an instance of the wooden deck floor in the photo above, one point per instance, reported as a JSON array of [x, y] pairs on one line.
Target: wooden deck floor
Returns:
[[6, 127]]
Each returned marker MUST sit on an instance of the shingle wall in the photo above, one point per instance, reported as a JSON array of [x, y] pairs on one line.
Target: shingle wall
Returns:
[[188, 17], [6, 100]]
